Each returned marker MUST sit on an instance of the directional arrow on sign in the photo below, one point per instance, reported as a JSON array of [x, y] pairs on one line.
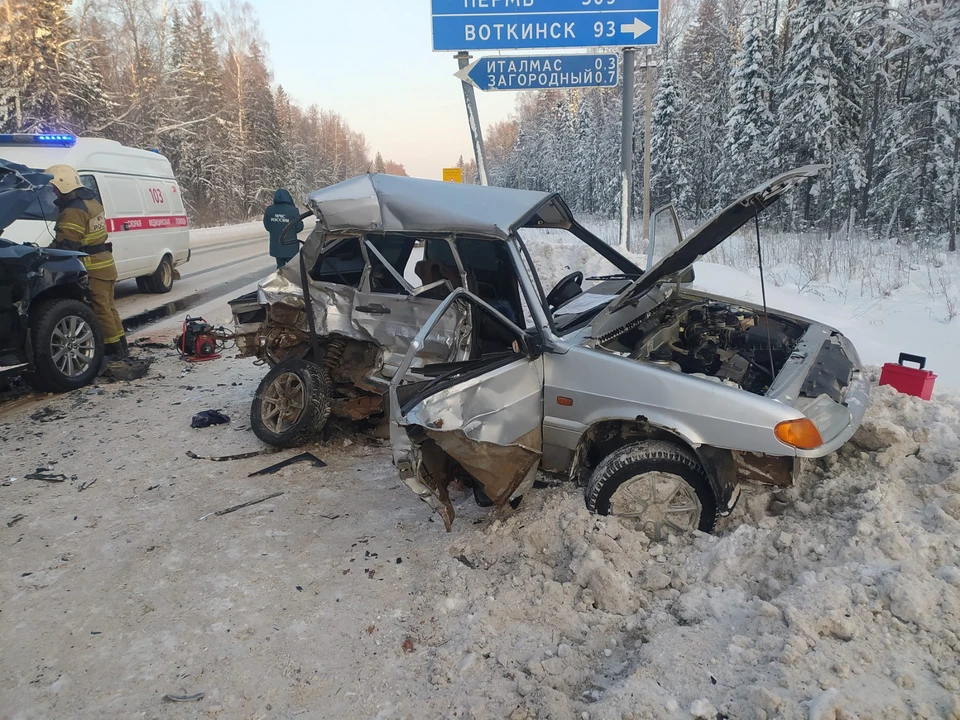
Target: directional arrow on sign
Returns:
[[638, 27], [464, 74], [541, 72]]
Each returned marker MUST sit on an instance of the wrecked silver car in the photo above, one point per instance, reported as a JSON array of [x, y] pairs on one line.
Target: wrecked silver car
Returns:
[[427, 311]]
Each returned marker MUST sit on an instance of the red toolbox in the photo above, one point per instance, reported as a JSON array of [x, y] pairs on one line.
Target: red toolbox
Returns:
[[910, 381]]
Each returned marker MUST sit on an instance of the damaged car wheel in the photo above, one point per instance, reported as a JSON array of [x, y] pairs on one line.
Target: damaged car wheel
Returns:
[[660, 485], [292, 404], [67, 345]]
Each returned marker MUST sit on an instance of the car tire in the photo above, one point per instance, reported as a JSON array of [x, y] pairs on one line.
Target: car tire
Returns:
[[292, 404], [65, 337], [160, 281], [661, 484]]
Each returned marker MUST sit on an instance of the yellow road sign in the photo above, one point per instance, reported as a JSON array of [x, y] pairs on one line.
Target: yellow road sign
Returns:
[[453, 174]]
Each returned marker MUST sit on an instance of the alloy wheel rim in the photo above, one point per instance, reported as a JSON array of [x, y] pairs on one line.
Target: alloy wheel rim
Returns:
[[283, 402], [73, 346]]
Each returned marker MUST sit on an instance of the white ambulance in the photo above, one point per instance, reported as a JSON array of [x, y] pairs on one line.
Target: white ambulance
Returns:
[[146, 218]]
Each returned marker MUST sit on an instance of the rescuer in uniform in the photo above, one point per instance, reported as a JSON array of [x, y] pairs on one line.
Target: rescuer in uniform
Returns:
[[82, 226], [275, 220]]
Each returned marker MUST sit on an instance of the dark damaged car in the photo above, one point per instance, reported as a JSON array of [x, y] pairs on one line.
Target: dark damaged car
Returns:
[[48, 332], [426, 309]]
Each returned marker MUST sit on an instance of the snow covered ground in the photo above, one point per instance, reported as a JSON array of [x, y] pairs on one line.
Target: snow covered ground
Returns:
[[839, 598], [343, 598], [836, 599]]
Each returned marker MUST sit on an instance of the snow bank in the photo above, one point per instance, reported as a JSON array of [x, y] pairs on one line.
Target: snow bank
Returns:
[[838, 598], [225, 232]]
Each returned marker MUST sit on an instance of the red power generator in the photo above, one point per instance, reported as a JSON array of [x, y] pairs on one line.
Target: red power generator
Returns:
[[909, 381]]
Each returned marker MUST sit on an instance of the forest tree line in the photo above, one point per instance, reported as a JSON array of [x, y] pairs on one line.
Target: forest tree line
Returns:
[[745, 89], [189, 80]]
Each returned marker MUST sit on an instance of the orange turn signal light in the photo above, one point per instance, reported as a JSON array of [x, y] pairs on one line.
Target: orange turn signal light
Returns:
[[801, 434], [565, 401]]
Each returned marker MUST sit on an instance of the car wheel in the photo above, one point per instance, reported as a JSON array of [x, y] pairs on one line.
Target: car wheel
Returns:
[[67, 345], [291, 404], [660, 485], [160, 281]]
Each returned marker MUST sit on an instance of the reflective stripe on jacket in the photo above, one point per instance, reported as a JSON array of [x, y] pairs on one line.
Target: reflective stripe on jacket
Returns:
[[82, 223]]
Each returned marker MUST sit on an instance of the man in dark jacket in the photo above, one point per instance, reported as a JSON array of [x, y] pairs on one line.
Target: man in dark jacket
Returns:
[[275, 220]]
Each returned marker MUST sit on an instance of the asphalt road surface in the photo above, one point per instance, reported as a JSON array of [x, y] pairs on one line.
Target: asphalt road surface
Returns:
[[223, 262]]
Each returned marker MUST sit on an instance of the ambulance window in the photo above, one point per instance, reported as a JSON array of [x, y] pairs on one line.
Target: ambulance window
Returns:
[[341, 264], [90, 183], [125, 196]]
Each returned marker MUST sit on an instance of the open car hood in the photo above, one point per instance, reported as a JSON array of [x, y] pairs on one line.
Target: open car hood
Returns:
[[18, 188], [713, 232]]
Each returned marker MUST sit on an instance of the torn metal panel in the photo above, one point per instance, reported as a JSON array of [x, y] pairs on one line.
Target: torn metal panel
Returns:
[[496, 407], [500, 469], [765, 469], [340, 310]]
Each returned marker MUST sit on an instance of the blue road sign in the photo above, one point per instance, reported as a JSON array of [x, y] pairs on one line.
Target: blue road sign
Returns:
[[531, 24], [542, 72]]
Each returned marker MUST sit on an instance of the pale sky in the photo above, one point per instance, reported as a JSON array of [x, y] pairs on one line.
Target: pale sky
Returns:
[[372, 61]]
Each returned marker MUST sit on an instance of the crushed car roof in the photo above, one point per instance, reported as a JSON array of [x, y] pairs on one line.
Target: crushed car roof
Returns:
[[389, 203]]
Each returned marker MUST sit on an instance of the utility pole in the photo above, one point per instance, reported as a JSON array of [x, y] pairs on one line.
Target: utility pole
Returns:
[[648, 113], [626, 148], [473, 119]]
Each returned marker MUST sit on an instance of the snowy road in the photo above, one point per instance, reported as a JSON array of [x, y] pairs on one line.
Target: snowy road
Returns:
[[223, 262]]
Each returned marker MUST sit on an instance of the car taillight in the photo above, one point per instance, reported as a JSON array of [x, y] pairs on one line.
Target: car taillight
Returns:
[[801, 434]]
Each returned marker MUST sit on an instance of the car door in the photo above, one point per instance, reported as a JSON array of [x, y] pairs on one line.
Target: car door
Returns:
[[481, 416], [393, 309]]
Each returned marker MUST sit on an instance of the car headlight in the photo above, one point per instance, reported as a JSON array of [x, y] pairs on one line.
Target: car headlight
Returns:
[[801, 434]]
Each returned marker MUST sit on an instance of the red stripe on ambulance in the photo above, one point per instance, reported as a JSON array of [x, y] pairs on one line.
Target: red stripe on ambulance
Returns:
[[157, 222]]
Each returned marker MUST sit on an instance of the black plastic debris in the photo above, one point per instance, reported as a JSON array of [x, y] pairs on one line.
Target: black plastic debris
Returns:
[[241, 506], [302, 457], [224, 458], [208, 418], [47, 414], [15, 519], [183, 698], [128, 369], [46, 475]]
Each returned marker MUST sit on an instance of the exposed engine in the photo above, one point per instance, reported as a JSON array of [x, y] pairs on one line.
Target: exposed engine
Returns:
[[733, 345]]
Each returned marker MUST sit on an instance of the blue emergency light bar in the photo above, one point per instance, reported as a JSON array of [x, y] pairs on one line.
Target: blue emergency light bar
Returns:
[[55, 139]]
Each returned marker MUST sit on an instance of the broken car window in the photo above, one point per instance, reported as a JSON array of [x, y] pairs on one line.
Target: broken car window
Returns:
[[341, 264], [396, 250], [491, 276]]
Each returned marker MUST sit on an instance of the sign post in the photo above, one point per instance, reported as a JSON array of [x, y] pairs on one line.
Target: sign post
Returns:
[[473, 120], [626, 149], [647, 116], [454, 175]]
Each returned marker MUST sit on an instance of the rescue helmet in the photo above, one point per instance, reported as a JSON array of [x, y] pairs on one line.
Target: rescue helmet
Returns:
[[65, 178]]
